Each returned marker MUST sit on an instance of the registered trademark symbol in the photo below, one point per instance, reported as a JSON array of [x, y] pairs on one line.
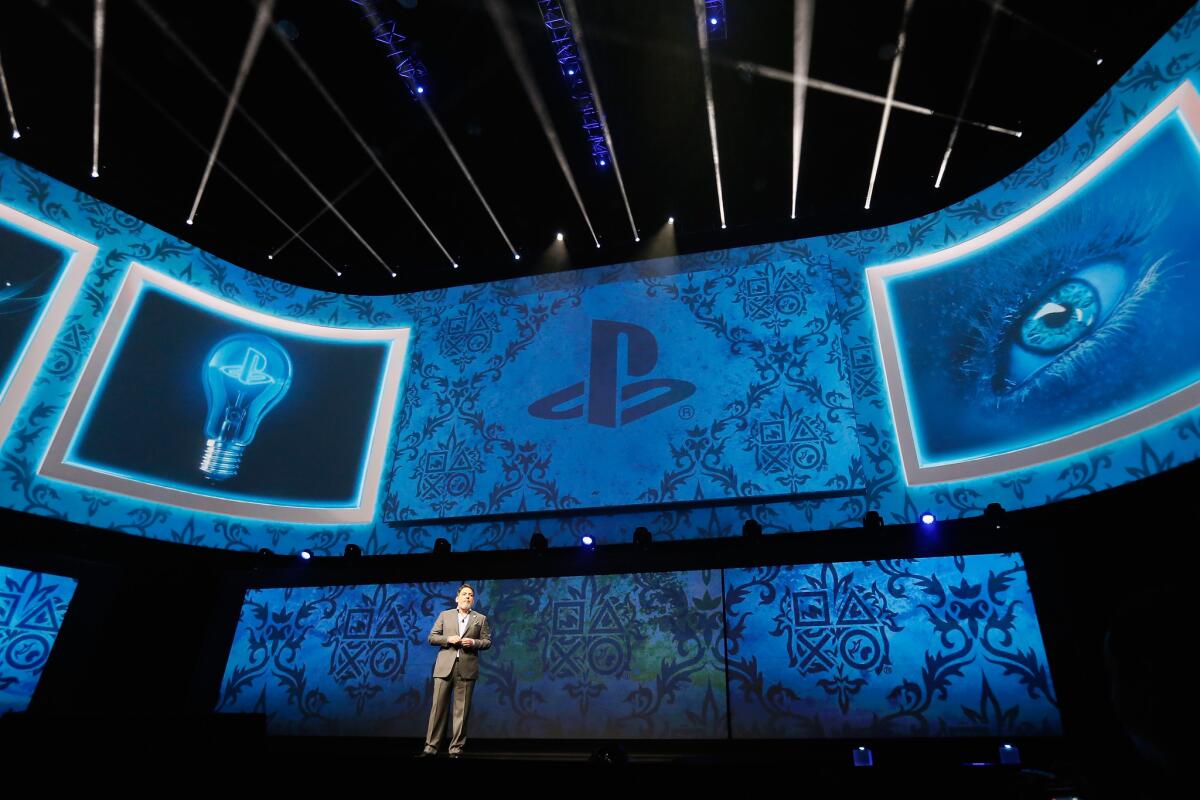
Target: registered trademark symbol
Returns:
[[686, 412]]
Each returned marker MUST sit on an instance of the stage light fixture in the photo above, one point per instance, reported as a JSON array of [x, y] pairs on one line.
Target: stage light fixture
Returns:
[[641, 536], [928, 519], [516, 256], [872, 519], [713, 20], [994, 514], [352, 551], [587, 541], [1010, 755], [863, 757], [420, 90], [537, 542], [751, 529], [441, 547], [306, 555], [16, 134], [266, 551], [559, 236], [670, 220], [603, 162]]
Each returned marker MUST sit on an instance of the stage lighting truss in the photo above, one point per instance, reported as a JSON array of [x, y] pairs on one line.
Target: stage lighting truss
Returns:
[[715, 20], [571, 67], [408, 66]]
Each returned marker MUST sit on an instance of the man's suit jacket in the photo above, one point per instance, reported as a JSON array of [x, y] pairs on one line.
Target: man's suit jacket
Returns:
[[445, 626]]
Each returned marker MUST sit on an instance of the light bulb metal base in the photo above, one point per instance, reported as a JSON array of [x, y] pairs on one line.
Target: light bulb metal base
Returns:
[[221, 459]]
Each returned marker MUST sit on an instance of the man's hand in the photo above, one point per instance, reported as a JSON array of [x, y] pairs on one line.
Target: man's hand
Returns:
[[468, 642], [454, 639]]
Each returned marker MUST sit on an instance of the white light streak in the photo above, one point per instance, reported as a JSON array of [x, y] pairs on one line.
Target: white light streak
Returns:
[[962, 108], [502, 19], [845, 91], [581, 46], [307, 70], [261, 20], [311, 220], [98, 38], [186, 133], [702, 35], [891, 93], [802, 30], [466, 173], [12, 116], [182, 47]]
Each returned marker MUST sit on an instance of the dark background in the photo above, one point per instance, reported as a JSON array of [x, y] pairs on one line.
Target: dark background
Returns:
[[24, 259]]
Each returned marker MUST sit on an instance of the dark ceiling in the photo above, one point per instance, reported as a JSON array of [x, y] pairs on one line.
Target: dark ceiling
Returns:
[[160, 116]]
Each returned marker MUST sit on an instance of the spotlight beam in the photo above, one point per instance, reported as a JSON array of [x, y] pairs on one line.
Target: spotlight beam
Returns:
[[198, 64], [502, 19], [307, 70], [12, 116], [97, 61], [577, 32], [702, 34], [312, 220], [802, 29], [261, 20], [962, 108], [845, 91], [891, 93], [79, 36], [466, 173]]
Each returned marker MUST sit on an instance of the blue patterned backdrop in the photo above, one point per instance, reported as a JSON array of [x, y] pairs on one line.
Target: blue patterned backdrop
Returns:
[[518, 398], [930, 647], [620, 655], [916, 647], [32, 607]]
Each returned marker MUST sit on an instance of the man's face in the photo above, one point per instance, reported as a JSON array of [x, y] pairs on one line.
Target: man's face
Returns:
[[466, 599]]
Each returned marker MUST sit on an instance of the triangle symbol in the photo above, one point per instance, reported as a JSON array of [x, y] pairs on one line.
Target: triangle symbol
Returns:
[[480, 324], [72, 337], [787, 283], [605, 620], [461, 462], [803, 431], [390, 627], [40, 618], [856, 610]]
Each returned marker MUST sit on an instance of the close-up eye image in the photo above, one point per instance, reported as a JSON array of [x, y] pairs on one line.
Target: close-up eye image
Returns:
[[1074, 319]]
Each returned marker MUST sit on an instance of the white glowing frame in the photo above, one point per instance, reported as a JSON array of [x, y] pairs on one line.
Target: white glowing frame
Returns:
[[41, 337], [1183, 100], [55, 464]]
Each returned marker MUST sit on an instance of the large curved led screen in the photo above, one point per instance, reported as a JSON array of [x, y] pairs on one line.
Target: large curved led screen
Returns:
[[1028, 344]]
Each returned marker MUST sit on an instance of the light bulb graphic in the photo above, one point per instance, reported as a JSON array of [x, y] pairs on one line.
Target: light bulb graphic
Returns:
[[245, 376]]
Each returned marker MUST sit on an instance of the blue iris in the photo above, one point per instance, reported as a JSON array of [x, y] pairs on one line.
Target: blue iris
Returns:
[[1060, 318]]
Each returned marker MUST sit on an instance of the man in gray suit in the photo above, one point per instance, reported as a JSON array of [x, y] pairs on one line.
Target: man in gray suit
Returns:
[[460, 633]]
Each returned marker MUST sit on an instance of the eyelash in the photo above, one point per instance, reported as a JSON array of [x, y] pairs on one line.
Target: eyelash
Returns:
[[1080, 241]]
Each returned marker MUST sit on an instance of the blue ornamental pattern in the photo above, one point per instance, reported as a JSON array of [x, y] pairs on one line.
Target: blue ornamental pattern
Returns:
[[934, 647], [778, 339], [32, 607], [931, 647]]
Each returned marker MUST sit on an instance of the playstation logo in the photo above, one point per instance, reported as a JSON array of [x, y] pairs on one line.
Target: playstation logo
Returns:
[[607, 400]]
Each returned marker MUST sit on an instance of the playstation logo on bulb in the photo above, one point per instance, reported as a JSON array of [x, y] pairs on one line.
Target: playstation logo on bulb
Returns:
[[245, 376]]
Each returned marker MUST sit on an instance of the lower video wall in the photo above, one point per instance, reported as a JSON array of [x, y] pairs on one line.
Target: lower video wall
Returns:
[[32, 607], [931, 647]]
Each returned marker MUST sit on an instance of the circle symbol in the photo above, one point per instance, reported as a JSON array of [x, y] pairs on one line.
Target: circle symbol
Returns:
[[860, 649], [27, 651], [606, 656], [386, 660]]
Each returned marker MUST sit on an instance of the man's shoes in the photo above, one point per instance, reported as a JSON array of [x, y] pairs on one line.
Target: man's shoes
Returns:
[[426, 754]]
